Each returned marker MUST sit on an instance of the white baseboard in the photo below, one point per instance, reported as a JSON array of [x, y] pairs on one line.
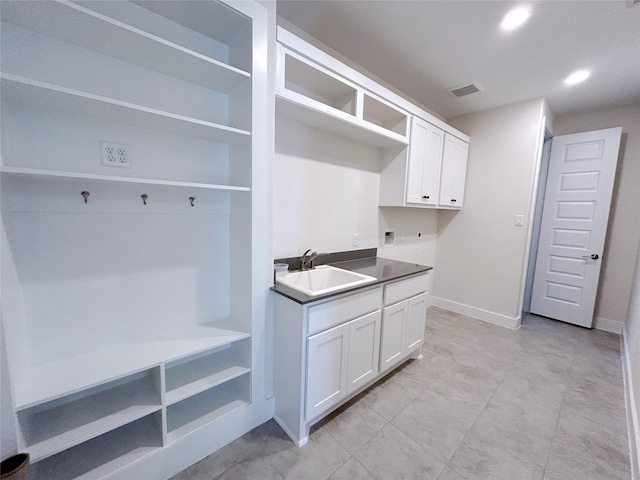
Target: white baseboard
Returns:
[[608, 325], [490, 317], [633, 421]]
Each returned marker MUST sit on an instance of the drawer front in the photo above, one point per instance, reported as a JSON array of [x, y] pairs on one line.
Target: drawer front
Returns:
[[403, 289], [329, 314]]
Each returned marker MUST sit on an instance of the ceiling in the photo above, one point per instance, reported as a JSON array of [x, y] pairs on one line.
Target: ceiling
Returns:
[[423, 48]]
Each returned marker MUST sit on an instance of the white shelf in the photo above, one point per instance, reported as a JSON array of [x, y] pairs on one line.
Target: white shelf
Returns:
[[51, 430], [205, 383], [88, 29], [199, 410], [43, 383], [340, 123], [191, 377], [45, 95], [112, 178], [103, 455]]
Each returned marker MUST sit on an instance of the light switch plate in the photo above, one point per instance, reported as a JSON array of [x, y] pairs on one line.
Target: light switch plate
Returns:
[[519, 221]]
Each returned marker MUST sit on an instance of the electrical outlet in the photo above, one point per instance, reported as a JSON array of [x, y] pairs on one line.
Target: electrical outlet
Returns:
[[115, 154], [355, 240]]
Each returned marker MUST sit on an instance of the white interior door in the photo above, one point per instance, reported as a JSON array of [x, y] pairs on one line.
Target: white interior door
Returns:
[[574, 225]]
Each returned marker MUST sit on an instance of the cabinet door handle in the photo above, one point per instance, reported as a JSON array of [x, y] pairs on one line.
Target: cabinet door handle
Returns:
[[593, 256], [426, 197]]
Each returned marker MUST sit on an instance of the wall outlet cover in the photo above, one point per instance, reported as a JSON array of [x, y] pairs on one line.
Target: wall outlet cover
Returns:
[[115, 154]]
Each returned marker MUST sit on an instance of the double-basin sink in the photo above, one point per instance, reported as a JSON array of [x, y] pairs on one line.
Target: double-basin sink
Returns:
[[323, 279]]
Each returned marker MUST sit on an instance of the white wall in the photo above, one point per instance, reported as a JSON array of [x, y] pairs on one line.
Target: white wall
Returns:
[[325, 190], [481, 255], [632, 349], [408, 223], [624, 222]]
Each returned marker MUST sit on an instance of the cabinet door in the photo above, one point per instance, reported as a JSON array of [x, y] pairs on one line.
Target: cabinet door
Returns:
[[364, 350], [392, 334], [454, 171], [326, 369], [425, 155], [416, 315]]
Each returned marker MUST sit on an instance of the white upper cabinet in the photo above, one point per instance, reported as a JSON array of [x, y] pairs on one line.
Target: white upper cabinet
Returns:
[[454, 172], [425, 154], [431, 174]]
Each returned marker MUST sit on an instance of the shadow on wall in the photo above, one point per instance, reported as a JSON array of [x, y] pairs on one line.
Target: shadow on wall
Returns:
[[445, 217]]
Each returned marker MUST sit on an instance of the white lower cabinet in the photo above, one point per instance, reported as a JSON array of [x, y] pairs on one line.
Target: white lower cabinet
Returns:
[[329, 350], [402, 329], [393, 329], [327, 356], [340, 361], [364, 338]]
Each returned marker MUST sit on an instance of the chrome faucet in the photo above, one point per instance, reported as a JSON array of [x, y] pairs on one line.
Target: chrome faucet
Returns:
[[307, 259]]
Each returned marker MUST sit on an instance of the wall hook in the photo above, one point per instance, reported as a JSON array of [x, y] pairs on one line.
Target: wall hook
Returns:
[[144, 198], [85, 194], [192, 199]]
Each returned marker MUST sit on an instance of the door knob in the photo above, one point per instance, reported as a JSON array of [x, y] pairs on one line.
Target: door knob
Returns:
[[453, 200], [593, 256], [426, 197]]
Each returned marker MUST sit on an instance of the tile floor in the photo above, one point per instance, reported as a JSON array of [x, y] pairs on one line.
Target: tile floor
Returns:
[[545, 402]]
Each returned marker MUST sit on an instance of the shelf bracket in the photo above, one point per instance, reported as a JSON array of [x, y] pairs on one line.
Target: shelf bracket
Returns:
[[144, 197], [85, 195]]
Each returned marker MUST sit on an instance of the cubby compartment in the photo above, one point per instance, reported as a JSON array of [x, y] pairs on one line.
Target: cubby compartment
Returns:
[[59, 424], [191, 375], [315, 95], [198, 410], [313, 83], [103, 455], [384, 115]]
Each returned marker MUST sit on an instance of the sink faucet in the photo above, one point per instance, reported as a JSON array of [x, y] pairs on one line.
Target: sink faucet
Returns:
[[307, 259]]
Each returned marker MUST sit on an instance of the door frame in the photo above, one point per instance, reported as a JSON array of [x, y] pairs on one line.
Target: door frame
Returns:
[[538, 203]]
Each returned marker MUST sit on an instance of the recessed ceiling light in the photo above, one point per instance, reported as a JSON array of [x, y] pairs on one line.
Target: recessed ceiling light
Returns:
[[577, 77], [515, 18]]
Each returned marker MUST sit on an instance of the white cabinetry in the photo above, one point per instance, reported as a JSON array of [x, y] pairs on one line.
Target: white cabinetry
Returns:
[[341, 360], [124, 325], [313, 94], [425, 156], [328, 351], [430, 175], [327, 359], [454, 172], [403, 319]]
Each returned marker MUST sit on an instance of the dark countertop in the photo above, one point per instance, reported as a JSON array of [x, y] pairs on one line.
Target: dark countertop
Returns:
[[383, 269]]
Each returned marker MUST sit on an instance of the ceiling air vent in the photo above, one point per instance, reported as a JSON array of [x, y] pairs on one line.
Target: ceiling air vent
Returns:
[[465, 90]]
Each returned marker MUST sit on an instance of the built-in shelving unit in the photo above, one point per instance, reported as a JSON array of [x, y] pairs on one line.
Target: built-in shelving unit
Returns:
[[311, 94], [129, 291]]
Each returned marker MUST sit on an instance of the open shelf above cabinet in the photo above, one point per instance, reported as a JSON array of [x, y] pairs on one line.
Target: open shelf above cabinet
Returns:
[[44, 95], [315, 96], [50, 381], [342, 125], [86, 28]]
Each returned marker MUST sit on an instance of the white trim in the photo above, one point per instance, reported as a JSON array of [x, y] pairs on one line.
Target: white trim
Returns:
[[608, 325], [478, 313], [633, 419], [283, 426]]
